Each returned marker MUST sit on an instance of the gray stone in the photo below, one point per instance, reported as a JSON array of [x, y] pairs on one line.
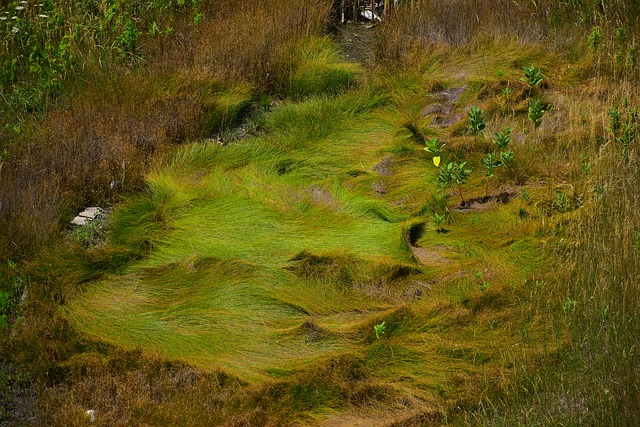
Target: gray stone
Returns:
[[90, 212]]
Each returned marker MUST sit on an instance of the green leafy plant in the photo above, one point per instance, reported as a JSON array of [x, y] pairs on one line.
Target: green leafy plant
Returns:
[[585, 166], [623, 127], [453, 173], [503, 138], [379, 329], [536, 111], [439, 220], [476, 120], [506, 158], [490, 161], [532, 76], [434, 146], [198, 18], [594, 40]]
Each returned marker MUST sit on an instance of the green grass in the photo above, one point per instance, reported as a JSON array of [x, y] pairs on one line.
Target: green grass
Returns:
[[279, 252]]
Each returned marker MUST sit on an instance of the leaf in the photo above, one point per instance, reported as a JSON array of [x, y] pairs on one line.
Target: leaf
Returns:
[[436, 161]]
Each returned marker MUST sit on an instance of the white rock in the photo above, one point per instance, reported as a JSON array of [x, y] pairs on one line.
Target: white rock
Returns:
[[79, 220], [90, 212], [91, 415]]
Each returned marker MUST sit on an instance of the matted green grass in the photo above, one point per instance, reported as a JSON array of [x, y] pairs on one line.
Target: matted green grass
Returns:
[[280, 252]]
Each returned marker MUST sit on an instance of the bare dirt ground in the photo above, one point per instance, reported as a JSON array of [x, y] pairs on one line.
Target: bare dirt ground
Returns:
[[356, 39]]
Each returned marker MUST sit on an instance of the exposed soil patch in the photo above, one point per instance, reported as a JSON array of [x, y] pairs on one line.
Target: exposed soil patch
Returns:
[[428, 256], [479, 204], [356, 40], [443, 111]]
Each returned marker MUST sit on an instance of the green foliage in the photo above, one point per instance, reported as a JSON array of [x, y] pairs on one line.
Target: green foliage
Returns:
[[43, 44], [503, 138], [453, 173], [5, 303], [506, 158], [623, 126], [536, 111], [490, 161], [318, 69], [532, 76], [594, 40], [198, 18], [439, 220], [379, 329], [93, 232], [434, 146], [476, 120]]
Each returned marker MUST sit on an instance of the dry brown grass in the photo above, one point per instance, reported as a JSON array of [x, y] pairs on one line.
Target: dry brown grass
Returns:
[[119, 119]]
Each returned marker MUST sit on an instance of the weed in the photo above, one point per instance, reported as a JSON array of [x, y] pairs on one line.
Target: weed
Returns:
[[594, 40], [476, 120], [536, 111], [532, 76], [439, 220], [453, 173], [503, 138], [435, 147], [379, 329]]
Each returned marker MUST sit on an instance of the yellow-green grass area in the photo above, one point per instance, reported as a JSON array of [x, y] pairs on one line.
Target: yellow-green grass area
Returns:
[[280, 253]]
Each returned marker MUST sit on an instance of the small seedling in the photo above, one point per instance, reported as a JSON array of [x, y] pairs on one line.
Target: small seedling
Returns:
[[198, 18], [506, 92], [526, 196], [570, 304], [453, 173], [594, 40], [490, 161], [506, 158], [154, 30], [562, 202], [500, 73], [439, 220], [532, 76], [478, 274], [503, 138], [585, 167], [476, 120], [435, 147], [536, 111], [379, 329], [484, 286], [638, 240]]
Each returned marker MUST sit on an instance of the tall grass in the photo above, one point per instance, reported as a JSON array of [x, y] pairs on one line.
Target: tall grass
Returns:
[[593, 378], [100, 140]]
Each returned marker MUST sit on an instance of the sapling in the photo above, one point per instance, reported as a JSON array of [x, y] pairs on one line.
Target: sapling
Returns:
[[536, 111], [506, 158], [503, 138], [490, 161], [532, 76], [453, 173], [476, 120]]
